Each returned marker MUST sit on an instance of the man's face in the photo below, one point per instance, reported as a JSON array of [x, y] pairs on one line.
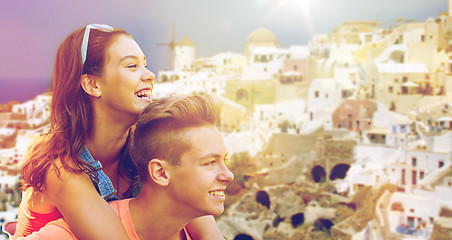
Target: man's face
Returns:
[[199, 180]]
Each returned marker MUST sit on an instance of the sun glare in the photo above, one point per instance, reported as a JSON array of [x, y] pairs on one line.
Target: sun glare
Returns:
[[300, 6]]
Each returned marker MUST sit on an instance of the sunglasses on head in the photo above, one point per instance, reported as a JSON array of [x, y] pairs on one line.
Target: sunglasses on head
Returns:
[[100, 27]]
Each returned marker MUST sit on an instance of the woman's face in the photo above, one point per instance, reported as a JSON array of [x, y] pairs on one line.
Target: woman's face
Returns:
[[126, 84]]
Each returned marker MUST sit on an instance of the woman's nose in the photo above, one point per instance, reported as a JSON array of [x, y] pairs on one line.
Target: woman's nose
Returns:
[[148, 76]]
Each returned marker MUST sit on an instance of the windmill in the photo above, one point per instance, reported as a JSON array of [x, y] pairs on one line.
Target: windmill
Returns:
[[171, 44]]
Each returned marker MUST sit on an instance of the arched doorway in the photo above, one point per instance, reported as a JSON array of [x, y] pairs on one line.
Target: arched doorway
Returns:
[[263, 198], [318, 174], [339, 171], [297, 219], [243, 236]]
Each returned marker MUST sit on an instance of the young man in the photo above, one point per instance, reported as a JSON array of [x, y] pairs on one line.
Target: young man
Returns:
[[180, 156]]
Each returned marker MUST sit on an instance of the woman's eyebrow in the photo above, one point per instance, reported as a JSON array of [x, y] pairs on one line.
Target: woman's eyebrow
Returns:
[[129, 56], [135, 57]]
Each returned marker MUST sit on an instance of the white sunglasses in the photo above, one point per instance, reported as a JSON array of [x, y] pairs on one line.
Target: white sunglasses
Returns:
[[100, 27]]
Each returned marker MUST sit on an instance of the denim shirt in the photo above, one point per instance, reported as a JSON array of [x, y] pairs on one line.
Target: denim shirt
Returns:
[[104, 187]]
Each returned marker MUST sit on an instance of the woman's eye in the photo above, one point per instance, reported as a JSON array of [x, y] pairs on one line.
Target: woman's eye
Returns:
[[132, 66], [210, 163]]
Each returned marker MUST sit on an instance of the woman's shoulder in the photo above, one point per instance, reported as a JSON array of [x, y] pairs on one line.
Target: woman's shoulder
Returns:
[[37, 201], [58, 171], [59, 177]]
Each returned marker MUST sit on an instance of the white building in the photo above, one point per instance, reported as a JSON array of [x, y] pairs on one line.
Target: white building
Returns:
[[324, 96], [265, 61], [417, 211], [223, 63], [204, 82], [286, 116], [7, 181], [37, 111]]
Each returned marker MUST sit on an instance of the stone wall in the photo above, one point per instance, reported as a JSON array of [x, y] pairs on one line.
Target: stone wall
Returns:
[[442, 229]]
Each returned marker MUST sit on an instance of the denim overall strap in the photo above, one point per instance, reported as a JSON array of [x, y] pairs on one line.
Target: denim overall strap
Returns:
[[104, 187]]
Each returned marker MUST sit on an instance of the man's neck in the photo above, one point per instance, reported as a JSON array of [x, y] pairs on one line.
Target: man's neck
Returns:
[[154, 218]]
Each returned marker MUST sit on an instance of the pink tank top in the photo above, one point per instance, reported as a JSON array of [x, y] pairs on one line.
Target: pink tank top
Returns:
[[29, 221]]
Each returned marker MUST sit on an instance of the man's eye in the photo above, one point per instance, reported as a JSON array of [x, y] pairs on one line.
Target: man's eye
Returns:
[[132, 66]]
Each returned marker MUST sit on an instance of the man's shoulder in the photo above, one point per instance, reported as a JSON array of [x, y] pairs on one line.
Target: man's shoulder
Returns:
[[120, 206]]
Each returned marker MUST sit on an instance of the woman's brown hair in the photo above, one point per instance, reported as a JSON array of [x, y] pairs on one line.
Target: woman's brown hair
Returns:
[[71, 110]]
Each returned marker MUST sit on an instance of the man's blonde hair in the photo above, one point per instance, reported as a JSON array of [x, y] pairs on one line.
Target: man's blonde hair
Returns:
[[159, 129]]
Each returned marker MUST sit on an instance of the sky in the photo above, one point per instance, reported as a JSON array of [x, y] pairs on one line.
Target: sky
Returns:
[[31, 30]]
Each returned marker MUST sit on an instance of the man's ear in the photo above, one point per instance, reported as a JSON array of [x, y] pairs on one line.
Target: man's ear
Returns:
[[158, 172], [90, 84]]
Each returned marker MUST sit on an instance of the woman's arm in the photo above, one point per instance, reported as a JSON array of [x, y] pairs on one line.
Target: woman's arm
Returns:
[[88, 215], [204, 228]]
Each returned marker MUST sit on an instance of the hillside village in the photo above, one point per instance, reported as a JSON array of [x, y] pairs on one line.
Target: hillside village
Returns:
[[347, 137]]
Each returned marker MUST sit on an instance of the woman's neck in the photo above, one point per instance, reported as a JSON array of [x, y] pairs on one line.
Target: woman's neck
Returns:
[[106, 149], [109, 136]]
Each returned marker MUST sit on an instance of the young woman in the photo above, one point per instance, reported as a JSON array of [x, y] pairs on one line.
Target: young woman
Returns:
[[101, 84]]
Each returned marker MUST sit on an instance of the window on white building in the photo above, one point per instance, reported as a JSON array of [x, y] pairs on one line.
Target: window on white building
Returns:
[[402, 128], [403, 176]]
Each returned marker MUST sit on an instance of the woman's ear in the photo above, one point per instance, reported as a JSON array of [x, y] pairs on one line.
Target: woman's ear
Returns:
[[90, 85], [158, 172]]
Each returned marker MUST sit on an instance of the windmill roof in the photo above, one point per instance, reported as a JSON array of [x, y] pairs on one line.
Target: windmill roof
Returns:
[[186, 42]]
